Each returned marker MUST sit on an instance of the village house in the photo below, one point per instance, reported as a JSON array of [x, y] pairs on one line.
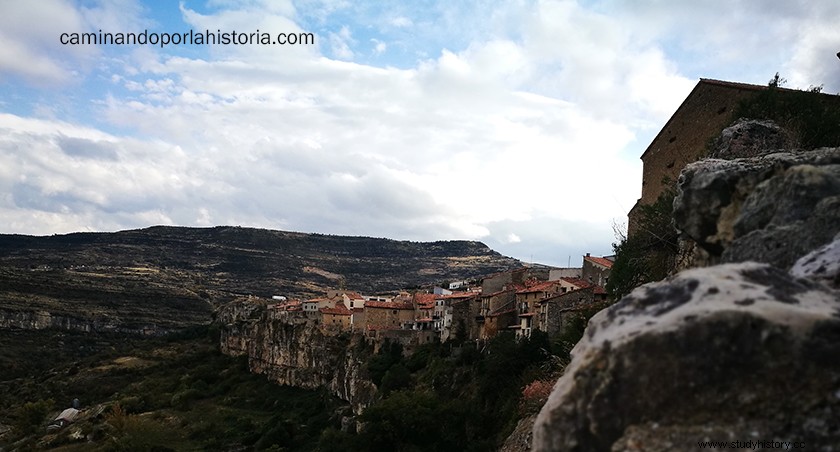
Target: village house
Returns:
[[557, 312], [569, 272], [313, 305], [425, 304], [357, 319], [526, 303], [495, 309], [337, 318], [451, 314], [499, 281], [596, 270], [350, 299], [570, 284], [464, 312], [288, 306], [500, 320], [381, 315]]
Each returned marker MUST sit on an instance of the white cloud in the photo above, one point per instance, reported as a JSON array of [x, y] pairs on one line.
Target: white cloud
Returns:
[[401, 22], [533, 124], [340, 44]]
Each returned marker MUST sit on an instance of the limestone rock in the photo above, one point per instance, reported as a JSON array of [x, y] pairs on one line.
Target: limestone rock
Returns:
[[743, 351], [821, 265], [750, 138], [297, 353], [520, 439], [772, 208]]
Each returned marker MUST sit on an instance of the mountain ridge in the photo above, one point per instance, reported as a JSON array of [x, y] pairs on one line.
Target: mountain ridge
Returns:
[[137, 276]]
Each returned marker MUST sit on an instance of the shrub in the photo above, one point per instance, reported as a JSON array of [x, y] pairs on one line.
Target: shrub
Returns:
[[534, 396], [651, 254], [31, 416]]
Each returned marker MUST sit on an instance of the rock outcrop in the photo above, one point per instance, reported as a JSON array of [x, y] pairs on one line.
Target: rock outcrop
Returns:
[[744, 352], [773, 208], [751, 138], [42, 320], [734, 352], [821, 265], [297, 353]]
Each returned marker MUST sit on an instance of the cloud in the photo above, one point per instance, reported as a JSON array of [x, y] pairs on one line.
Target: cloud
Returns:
[[32, 50], [520, 124], [401, 22], [340, 44]]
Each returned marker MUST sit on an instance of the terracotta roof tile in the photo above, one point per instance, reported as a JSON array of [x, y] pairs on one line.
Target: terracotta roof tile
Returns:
[[541, 286], [389, 305], [458, 296], [599, 260], [339, 309]]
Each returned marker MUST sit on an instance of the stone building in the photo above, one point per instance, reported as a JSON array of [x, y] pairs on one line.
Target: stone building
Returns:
[[684, 138], [557, 312], [496, 283], [336, 318], [387, 315], [596, 270], [526, 303]]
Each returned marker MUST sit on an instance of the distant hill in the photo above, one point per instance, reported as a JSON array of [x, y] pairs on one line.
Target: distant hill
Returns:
[[173, 276]]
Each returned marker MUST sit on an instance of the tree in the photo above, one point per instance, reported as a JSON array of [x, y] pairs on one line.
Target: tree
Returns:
[[651, 254]]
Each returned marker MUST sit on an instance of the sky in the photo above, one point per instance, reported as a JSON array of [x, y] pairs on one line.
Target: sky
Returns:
[[517, 123]]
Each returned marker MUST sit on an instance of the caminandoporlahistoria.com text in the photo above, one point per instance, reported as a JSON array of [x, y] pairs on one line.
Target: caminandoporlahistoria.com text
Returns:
[[192, 37]]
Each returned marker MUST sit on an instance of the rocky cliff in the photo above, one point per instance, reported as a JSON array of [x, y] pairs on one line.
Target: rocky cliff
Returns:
[[740, 354], [297, 353], [42, 320]]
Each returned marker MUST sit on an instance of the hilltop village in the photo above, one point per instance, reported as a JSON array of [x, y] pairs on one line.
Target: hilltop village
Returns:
[[521, 301]]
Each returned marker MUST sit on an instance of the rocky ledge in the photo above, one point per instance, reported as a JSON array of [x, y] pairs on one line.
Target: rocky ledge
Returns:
[[735, 352], [744, 353], [773, 208]]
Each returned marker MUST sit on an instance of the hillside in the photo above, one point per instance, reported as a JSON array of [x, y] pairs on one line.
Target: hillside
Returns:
[[164, 278]]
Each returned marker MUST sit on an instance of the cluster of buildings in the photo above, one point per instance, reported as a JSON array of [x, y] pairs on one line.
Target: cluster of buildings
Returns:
[[521, 300]]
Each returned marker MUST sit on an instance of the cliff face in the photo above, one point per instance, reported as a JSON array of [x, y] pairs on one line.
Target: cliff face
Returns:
[[42, 320], [296, 353]]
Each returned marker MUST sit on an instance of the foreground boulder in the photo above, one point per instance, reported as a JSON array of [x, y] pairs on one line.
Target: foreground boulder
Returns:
[[732, 353], [773, 208]]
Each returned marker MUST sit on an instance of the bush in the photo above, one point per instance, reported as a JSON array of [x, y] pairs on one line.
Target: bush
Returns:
[[32, 416], [812, 117], [182, 400], [534, 396], [651, 254]]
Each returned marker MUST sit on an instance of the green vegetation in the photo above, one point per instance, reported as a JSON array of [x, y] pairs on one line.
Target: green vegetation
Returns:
[[651, 254], [175, 393], [450, 399], [812, 117]]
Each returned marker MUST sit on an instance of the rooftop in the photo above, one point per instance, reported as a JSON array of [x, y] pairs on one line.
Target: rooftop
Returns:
[[604, 262], [389, 305]]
